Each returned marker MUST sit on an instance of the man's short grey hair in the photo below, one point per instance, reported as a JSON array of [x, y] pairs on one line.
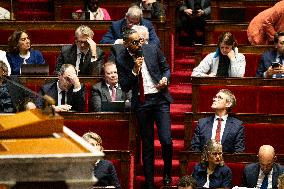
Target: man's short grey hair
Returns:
[[84, 31], [134, 12], [64, 68], [4, 66], [142, 31]]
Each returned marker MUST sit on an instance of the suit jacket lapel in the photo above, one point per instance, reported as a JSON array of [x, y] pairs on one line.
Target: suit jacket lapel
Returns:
[[254, 174], [274, 176], [105, 92], [209, 126], [119, 93], [227, 130]]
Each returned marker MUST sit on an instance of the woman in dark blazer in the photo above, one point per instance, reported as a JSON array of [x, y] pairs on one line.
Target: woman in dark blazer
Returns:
[[104, 170], [211, 171]]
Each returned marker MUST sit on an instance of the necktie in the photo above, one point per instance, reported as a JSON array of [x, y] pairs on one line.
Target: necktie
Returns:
[[63, 93], [81, 60], [264, 184], [218, 130], [141, 88], [113, 93]]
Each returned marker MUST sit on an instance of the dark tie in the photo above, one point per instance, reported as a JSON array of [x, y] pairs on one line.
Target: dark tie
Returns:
[[218, 130], [264, 184], [113, 93], [141, 88], [63, 93], [81, 60]]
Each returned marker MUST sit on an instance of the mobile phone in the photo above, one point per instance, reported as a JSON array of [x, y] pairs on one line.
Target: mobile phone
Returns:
[[275, 64]]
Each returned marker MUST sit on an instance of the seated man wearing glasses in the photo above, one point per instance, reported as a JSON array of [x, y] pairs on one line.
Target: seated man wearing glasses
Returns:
[[227, 130], [83, 54], [134, 16]]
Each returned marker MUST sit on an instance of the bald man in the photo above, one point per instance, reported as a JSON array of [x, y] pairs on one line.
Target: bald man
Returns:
[[265, 173]]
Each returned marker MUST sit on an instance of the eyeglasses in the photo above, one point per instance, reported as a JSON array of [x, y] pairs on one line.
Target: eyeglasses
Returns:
[[216, 153], [136, 42], [218, 97], [82, 42]]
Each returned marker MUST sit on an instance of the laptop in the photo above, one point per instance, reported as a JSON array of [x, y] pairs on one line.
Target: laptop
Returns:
[[35, 69], [115, 106]]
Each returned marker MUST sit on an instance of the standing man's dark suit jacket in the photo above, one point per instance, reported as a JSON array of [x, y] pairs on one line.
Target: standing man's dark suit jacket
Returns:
[[68, 55], [251, 173], [265, 62], [75, 99], [156, 64], [100, 92], [232, 139], [117, 27]]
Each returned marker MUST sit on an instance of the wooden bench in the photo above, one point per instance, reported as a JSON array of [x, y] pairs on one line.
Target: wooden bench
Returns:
[[269, 129], [117, 129], [51, 52], [252, 55], [248, 8], [122, 161], [62, 32], [214, 28], [254, 95], [236, 162]]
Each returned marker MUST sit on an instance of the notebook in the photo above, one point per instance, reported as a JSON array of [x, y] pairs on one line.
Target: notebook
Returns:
[[34, 69], [115, 106]]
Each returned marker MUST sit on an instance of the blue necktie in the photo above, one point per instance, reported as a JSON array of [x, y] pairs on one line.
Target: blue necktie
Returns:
[[264, 184]]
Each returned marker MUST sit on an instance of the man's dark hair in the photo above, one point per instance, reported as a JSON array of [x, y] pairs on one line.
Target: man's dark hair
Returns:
[[127, 33], [277, 35], [187, 181]]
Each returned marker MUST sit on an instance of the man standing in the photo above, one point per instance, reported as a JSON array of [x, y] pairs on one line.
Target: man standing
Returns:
[[107, 90], [271, 61], [133, 17], [143, 69], [83, 54], [265, 173], [67, 92], [221, 127]]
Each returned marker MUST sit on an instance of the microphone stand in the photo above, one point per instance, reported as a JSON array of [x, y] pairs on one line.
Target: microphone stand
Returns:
[[48, 100]]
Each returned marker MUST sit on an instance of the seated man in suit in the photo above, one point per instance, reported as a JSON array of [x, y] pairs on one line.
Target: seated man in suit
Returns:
[[107, 90], [67, 91], [221, 127], [14, 97], [83, 54], [133, 17], [265, 173], [272, 61]]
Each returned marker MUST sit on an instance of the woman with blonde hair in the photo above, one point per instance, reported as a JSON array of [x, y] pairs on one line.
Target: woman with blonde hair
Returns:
[[211, 172], [104, 170]]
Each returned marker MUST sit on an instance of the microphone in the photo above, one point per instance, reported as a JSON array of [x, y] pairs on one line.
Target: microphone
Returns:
[[47, 99], [139, 53]]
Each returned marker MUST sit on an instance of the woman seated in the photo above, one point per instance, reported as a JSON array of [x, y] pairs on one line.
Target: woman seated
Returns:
[[211, 171], [20, 52], [96, 12], [226, 61], [104, 170]]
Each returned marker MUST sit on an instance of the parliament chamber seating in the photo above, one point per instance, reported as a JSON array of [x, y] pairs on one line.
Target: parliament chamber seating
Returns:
[[248, 9], [236, 162], [122, 161], [269, 129], [254, 95], [252, 55]]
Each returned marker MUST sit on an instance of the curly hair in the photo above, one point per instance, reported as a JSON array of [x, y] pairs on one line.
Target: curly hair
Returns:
[[211, 146]]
